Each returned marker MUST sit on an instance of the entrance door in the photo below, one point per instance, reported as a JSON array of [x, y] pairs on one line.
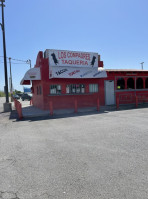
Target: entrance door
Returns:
[[109, 92]]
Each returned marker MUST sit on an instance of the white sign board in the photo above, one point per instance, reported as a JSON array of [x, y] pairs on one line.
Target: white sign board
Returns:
[[67, 58], [76, 72]]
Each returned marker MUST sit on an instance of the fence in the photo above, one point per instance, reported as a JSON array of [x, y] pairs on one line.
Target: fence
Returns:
[[18, 108], [131, 98], [75, 103]]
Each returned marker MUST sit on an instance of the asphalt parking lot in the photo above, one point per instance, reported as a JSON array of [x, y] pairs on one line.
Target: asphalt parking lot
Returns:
[[95, 156]]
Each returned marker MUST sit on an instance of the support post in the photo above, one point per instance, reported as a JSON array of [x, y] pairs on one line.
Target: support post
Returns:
[[15, 103], [51, 108], [98, 104], [76, 105], [117, 102], [20, 111], [136, 101], [31, 101]]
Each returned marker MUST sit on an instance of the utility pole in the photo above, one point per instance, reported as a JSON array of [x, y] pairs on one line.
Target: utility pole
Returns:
[[29, 62], [7, 106], [142, 65], [11, 89]]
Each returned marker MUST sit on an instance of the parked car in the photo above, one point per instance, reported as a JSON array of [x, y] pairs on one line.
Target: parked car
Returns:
[[25, 96], [19, 94], [16, 96]]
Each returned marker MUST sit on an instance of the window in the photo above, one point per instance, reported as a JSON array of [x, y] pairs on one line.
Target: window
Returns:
[[130, 83], [40, 90], [55, 89], [37, 90], [139, 83], [93, 88], [120, 83], [75, 88], [146, 83]]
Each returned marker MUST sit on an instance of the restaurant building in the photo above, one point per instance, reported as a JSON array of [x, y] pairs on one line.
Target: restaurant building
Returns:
[[68, 77]]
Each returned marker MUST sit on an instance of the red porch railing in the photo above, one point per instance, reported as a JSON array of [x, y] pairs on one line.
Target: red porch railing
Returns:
[[131, 98], [18, 108], [31, 102], [75, 103]]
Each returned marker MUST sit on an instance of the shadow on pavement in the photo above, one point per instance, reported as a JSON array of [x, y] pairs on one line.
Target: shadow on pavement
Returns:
[[13, 115], [60, 116], [108, 109]]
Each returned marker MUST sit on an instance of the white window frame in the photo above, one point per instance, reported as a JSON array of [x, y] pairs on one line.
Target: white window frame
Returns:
[[93, 88], [55, 88]]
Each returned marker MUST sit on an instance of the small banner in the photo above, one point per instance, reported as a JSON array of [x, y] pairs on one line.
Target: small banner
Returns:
[[72, 72]]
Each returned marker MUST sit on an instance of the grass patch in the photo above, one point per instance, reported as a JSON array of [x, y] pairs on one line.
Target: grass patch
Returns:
[[2, 94]]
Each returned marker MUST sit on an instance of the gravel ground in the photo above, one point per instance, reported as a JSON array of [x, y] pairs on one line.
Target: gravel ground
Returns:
[[98, 156]]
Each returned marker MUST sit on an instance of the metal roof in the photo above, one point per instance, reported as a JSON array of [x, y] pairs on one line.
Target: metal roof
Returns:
[[125, 70]]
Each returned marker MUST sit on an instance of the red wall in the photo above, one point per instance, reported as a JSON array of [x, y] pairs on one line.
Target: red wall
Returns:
[[37, 99], [64, 100], [67, 100]]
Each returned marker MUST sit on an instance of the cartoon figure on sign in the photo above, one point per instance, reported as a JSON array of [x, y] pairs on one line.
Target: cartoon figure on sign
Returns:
[[93, 61], [54, 58], [50, 74]]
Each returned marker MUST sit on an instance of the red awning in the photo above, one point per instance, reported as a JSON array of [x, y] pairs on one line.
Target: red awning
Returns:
[[32, 74]]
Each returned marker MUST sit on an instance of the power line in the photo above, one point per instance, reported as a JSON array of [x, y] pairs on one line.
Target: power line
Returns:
[[20, 63], [27, 61], [19, 60], [15, 63]]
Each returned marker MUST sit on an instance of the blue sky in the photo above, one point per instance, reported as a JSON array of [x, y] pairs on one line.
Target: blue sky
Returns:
[[115, 29]]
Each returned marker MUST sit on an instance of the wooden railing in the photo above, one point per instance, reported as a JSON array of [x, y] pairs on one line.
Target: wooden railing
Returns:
[[131, 98], [75, 105], [18, 107]]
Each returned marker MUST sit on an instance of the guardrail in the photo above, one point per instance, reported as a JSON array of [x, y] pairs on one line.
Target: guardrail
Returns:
[[75, 106], [18, 107], [136, 99]]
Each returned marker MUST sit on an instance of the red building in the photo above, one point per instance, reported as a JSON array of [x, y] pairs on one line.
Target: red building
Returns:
[[66, 77]]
